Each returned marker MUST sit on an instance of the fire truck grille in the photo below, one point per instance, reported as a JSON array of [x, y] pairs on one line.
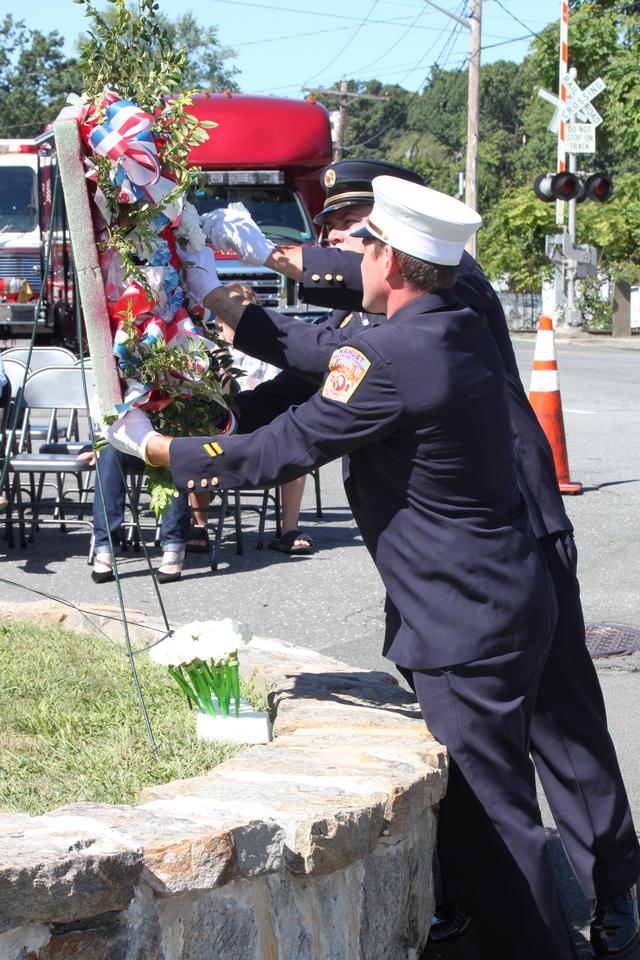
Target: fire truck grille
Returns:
[[24, 266], [266, 286]]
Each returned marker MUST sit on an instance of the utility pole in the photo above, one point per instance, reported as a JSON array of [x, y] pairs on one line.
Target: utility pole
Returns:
[[342, 116], [473, 116], [473, 25], [345, 97]]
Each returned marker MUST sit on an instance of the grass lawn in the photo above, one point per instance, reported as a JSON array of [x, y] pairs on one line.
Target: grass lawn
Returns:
[[71, 727]]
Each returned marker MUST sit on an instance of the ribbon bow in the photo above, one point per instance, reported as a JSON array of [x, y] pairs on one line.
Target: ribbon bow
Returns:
[[126, 140]]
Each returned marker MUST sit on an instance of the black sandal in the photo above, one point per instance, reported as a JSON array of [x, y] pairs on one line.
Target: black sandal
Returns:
[[286, 543], [198, 539]]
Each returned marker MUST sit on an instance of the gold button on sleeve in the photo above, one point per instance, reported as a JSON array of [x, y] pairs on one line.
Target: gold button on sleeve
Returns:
[[315, 277], [204, 483], [328, 277], [214, 481], [191, 484], [339, 277]]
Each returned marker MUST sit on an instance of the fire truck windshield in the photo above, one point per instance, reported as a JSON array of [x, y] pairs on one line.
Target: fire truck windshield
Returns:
[[18, 211], [277, 210]]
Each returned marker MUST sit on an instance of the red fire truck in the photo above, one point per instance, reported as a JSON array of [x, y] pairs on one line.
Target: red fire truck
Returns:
[[267, 152], [27, 168]]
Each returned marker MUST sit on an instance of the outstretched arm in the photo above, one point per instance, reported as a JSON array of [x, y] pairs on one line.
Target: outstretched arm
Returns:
[[359, 404]]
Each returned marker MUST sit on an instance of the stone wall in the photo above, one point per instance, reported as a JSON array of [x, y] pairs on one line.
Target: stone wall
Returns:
[[315, 847]]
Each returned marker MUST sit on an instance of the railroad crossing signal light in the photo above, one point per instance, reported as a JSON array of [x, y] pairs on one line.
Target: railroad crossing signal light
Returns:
[[569, 186], [558, 186], [599, 187]]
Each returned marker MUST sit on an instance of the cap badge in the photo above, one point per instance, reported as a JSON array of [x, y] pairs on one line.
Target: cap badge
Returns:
[[329, 178]]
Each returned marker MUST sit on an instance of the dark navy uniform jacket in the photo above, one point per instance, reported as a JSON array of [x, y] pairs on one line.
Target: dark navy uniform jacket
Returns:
[[419, 405], [268, 400], [332, 278]]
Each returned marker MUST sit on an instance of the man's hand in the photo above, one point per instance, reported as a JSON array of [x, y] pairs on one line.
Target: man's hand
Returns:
[[131, 434], [200, 274], [233, 228]]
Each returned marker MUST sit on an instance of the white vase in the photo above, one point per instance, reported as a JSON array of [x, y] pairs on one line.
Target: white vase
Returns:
[[250, 726]]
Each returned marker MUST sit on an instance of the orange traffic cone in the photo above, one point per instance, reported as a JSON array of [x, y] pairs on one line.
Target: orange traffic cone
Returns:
[[544, 397]]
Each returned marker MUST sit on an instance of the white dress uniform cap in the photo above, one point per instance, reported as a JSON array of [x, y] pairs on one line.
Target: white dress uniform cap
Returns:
[[419, 221]]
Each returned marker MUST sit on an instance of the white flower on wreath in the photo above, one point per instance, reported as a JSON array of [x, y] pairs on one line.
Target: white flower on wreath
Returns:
[[189, 229], [202, 640]]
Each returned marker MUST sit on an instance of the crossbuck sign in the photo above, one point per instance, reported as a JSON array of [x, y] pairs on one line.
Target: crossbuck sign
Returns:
[[580, 137]]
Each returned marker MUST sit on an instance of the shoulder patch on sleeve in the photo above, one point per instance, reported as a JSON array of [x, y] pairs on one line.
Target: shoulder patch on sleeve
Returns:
[[347, 369]]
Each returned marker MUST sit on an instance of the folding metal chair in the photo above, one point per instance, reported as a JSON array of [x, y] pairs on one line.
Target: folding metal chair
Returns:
[[54, 388], [25, 438], [41, 357], [16, 372]]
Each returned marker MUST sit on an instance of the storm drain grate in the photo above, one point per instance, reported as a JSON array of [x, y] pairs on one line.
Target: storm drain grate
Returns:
[[610, 640]]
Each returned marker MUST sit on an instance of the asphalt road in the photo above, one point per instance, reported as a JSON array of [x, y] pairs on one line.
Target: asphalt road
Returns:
[[332, 601]]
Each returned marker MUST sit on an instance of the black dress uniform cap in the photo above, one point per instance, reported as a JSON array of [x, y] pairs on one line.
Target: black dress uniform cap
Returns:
[[348, 182]]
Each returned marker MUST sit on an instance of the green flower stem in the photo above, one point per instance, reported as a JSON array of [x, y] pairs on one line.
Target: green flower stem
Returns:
[[234, 670], [201, 686], [176, 673], [215, 684], [225, 688], [203, 676], [201, 680]]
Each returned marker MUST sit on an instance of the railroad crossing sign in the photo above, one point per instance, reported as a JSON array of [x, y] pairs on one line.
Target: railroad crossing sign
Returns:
[[579, 115], [579, 101]]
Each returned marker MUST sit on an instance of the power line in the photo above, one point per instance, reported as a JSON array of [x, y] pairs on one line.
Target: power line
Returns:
[[395, 44], [553, 27], [517, 20], [396, 21], [449, 41], [354, 74], [390, 69], [310, 13], [453, 35], [347, 44]]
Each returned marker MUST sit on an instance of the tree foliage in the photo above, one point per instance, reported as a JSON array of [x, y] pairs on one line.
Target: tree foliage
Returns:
[[36, 76], [427, 130], [207, 64]]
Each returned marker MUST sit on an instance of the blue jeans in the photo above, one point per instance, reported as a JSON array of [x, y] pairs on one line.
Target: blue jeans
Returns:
[[175, 522]]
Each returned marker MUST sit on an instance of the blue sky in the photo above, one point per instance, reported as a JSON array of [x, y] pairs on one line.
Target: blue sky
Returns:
[[284, 45]]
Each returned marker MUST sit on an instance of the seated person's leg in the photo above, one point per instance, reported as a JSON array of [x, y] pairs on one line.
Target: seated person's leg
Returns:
[[198, 541], [107, 517], [175, 531], [292, 540]]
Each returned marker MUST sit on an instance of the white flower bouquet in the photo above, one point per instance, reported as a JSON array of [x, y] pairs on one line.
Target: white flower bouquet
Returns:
[[202, 657]]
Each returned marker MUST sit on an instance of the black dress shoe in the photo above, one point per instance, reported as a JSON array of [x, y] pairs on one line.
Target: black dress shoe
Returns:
[[170, 569], [451, 921], [615, 925]]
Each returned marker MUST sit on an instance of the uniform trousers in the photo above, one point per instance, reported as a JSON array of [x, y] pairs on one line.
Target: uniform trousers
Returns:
[[572, 749], [490, 831]]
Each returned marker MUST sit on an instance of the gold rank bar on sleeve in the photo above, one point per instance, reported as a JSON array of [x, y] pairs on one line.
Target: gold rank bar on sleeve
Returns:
[[213, 449]]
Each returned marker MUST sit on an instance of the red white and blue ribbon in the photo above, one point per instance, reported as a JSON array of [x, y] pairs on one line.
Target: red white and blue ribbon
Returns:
[[125, 138]]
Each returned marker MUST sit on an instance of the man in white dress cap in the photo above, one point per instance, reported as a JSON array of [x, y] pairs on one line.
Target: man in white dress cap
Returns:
[[419, 406]]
